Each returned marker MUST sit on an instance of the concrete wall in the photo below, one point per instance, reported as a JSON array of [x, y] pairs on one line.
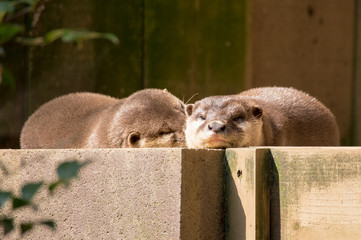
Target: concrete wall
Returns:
[[248, 193]]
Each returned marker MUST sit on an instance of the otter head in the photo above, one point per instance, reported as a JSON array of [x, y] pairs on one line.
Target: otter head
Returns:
[[150, 118], [223, 122]]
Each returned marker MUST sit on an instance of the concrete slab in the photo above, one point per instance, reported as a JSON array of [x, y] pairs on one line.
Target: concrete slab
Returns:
[[167, 193]]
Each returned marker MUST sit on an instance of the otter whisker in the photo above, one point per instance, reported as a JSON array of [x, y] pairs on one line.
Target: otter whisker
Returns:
[[191, 98]]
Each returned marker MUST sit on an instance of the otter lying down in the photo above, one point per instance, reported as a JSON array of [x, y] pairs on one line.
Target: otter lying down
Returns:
[[147, 118], [269, 116]]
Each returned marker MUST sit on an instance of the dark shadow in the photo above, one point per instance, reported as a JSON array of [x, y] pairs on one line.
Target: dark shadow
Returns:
[[202, 201], [275, 218], [7, 142]]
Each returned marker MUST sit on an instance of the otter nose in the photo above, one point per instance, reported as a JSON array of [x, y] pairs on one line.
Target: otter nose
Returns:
[[216, 127]]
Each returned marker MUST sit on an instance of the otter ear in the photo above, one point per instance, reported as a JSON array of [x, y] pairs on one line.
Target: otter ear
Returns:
[[189, 109], [257, 112], [133, 139]]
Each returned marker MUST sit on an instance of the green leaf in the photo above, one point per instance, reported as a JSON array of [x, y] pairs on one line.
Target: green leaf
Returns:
[[36, 41], [8, 224], [29, 190], [111, 37], [50, 223], [4, 196], [70, 35], [66, 35], [25, 227], [7, 6], [53, 35], [10, 6], [7, 79], [9, 31], [18, 202]]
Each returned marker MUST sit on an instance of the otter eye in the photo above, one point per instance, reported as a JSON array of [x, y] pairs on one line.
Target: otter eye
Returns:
[[235, 119], [164, 132], [201, 117], [133, 138]]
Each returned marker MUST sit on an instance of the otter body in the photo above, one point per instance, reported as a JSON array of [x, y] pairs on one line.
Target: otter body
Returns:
[[270, 116], [147, 118]]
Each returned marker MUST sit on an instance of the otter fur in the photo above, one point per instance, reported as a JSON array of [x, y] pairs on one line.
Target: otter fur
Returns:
[[268, 116], [147, 118]]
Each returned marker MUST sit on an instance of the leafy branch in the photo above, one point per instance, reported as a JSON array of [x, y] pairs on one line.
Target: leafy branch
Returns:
[[12, 31], [65, 171]]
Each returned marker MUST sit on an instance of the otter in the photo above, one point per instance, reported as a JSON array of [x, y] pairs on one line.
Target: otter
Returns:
[[267, 116], [147, 118]]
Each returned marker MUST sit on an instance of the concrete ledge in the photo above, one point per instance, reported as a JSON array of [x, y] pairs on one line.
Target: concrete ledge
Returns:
[[124, 193], [172, 193]]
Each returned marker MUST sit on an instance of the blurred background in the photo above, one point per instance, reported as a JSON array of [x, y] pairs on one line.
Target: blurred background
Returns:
[[190, 47]]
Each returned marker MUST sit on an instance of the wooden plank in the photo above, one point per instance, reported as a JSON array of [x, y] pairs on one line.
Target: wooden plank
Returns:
[[195, 46], [319, 193], [240, 194], [247, 194], [264, 165], [294, 44]]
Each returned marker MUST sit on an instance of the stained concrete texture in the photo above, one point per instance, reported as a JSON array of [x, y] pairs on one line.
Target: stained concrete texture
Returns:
[[318, 193], [122, 194]]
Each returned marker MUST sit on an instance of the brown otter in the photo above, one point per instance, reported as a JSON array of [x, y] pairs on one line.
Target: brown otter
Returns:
[[147, 118], [269, 116]]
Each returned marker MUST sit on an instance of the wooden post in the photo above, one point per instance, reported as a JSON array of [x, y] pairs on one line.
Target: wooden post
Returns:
[[248, 194]]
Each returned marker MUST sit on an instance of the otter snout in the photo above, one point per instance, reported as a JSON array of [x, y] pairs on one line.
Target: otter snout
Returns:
[[217, 127]]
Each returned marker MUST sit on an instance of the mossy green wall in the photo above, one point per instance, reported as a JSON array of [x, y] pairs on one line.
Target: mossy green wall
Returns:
[[195, 47]]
